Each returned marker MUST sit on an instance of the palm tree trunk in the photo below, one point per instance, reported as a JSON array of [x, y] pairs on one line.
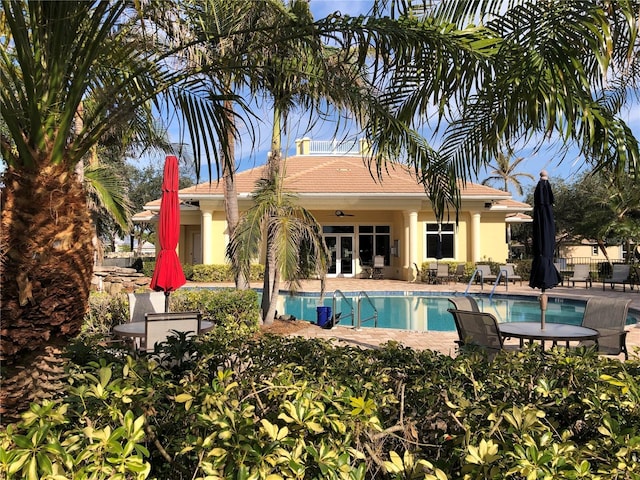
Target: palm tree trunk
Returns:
[[46, 248], [231, 192], [271, 284]]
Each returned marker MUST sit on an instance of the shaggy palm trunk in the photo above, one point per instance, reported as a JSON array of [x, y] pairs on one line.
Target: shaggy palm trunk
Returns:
[[231, 192], [47, 259]]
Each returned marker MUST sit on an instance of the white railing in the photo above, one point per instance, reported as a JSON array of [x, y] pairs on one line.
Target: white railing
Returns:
[[334, 147]]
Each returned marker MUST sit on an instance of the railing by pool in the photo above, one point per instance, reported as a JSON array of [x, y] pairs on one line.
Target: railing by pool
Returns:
[[355, 313]]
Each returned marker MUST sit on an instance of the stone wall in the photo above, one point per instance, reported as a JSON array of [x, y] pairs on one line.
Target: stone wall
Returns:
[[113, 280]]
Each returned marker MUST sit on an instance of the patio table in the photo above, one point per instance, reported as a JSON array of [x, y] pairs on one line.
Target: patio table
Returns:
[[554, 332], [137, 329]]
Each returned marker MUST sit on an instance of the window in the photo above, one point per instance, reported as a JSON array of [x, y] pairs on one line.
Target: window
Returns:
[[444, 235], [372, 241], [594, 250]]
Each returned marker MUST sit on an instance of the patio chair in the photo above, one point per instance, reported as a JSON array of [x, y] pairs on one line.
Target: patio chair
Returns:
[[479, 329], [159, 326], [465, 302], [459, 274], [142, 303], [378, 267], [562, 271], [621, 274], [433, 270], [581, 273], [509, 273], [609, 317], [485, 274], [366, 268], [442, 273]]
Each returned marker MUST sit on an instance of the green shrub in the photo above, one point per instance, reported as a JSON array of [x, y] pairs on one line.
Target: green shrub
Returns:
[[223, 273], [229, 309], [254, 407], [212, 273], [105, 311], [148, 267], [187, 269]]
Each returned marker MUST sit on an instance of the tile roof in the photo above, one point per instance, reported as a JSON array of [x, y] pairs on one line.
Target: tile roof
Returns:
[[331, 175]]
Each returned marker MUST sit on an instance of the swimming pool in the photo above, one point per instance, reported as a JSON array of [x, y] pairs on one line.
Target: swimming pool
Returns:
[[419, 312]]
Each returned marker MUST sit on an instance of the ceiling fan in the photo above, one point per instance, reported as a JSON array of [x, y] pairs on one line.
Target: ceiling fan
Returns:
[[340, 213]]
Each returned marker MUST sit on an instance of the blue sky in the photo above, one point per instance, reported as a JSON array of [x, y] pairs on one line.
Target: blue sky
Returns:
[[547, 158]]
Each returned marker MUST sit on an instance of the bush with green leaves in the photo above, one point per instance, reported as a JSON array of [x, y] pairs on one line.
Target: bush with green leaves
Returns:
[[223, 273], [260, 406], [104, 312], [233, 310]]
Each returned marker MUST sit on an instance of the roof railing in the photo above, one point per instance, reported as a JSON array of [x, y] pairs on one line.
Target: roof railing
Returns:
[[334, 147]]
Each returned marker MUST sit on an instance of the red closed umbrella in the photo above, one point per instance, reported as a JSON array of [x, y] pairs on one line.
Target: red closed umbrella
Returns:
[[168, 275]]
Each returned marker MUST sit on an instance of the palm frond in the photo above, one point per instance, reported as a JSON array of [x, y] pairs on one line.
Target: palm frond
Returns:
[[109, 189]]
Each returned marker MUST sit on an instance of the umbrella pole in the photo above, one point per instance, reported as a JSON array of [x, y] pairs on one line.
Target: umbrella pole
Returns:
[[543, 308], [166, 302]]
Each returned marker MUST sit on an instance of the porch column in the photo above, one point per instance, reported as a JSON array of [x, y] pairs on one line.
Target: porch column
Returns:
[[207, 236], [475, 237], [410, 244]]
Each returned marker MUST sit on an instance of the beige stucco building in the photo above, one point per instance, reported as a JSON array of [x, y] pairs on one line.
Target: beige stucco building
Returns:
[[361, 216]]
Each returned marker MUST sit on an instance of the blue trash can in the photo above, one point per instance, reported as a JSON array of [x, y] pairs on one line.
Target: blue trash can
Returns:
[[323, 316]]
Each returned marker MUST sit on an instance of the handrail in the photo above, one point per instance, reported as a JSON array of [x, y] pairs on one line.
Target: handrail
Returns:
[[347, 300], [497, 282], [375, 310], [473, 276]]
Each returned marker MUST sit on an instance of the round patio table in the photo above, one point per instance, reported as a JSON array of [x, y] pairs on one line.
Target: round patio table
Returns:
[[136, 329], [553, 332]]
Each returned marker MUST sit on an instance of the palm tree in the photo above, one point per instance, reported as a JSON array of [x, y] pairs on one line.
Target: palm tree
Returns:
[[504, 171], [288, 228], [55, 57], [556, 80]]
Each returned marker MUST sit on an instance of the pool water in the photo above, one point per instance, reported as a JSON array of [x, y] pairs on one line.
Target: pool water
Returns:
[[417, 312]]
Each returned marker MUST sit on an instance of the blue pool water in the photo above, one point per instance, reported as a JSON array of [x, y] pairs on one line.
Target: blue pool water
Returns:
[[417, 312]]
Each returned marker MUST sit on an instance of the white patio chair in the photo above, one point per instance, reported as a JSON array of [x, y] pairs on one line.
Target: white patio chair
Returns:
[[378, 267], [159, 326], [142, 303]]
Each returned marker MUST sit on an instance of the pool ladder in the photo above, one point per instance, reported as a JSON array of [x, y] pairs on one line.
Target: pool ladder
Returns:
[[357, 317], [495, 284]]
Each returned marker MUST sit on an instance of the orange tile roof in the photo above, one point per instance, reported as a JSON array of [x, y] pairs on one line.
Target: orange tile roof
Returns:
[[332, 175]]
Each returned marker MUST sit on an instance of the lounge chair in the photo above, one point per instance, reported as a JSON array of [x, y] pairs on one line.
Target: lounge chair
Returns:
[[621, 274], [509, 273], [479, 329], [609, 317], [159, 326], [442, 273], [143, 303], [378, 267], [485, 275], [459, 274], [464, 302], [581, 273]]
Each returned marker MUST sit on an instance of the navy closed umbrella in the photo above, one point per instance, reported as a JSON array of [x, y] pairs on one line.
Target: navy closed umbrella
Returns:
[[544, 274]]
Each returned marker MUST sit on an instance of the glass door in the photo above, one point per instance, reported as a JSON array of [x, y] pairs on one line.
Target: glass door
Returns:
[[341, 249]]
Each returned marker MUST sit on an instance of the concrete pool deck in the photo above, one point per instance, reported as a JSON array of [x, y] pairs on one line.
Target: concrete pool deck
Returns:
[[439, 341]]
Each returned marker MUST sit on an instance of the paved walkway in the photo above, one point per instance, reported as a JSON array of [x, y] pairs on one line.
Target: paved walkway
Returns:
[[442, 341]]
